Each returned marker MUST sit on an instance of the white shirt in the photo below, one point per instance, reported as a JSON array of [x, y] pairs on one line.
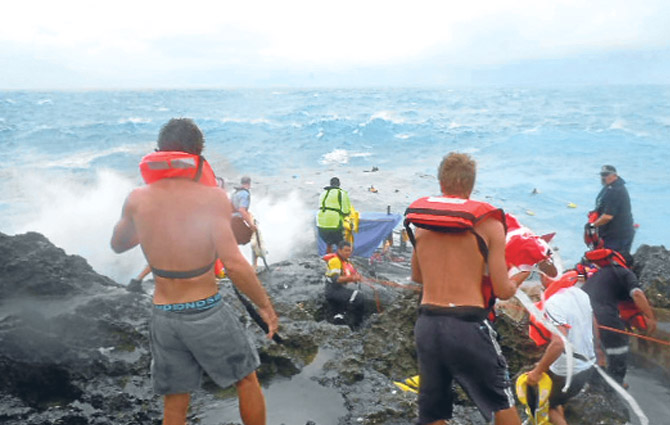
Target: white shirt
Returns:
[[571, 307]]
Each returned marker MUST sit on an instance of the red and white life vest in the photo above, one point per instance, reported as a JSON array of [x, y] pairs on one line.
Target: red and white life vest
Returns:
[[455, 215], [175, 164]]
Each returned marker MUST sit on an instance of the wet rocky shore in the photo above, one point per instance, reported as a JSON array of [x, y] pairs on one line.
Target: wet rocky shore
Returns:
[[74, 344]]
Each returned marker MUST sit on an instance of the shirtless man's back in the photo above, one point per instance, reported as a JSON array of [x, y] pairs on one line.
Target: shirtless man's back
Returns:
[[453, 336], [182, 227]]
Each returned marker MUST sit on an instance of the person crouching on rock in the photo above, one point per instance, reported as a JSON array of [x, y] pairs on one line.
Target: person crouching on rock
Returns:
[[346, 304], [182, 222]]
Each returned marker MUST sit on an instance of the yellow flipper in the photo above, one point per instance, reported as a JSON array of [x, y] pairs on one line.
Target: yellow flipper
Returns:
[[535, 399], [409, 384]]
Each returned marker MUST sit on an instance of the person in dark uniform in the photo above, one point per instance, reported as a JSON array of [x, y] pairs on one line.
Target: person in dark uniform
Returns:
[[615, 219], [611, 284]]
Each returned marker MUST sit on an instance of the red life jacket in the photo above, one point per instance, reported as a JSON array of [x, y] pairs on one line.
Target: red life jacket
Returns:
[[536, 330], [592, 238], [628, 311], [455, 215], [170, 164], [347, 268]]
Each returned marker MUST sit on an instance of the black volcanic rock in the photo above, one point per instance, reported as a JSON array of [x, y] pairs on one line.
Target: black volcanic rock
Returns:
[[75, 344]]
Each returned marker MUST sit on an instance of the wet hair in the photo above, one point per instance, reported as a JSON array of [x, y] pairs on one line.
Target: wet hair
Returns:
[[181, 134], [342, 244], [335, 182], [457, 173], [245, 180]]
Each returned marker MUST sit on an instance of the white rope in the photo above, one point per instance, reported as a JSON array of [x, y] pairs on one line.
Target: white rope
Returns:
[[623, 393]]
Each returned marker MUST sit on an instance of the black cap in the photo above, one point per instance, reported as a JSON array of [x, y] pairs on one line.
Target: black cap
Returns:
[[607, 170], [335, 182]]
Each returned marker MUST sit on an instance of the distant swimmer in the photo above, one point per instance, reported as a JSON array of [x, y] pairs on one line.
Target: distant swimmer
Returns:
[[181, 220], [334, 207], [454, 339], [612, 217]]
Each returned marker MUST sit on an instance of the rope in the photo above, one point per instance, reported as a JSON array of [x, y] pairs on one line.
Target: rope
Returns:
[[391, 284], [607, 328], [374, 291], [648, 338]]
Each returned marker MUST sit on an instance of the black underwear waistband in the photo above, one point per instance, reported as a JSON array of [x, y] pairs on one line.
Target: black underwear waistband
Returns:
[[191, 306], [168, 274], [463, 312]]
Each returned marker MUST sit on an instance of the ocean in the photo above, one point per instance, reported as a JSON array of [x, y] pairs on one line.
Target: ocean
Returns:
[[68, 159]]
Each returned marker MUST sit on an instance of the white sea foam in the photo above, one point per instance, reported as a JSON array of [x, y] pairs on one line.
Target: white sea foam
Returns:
[[79, 217], [286, 225], [403, 136], [342, 156], [236, 120], [45, 102], [135, 120]]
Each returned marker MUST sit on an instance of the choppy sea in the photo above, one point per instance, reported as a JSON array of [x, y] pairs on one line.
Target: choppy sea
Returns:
[[68, 159]]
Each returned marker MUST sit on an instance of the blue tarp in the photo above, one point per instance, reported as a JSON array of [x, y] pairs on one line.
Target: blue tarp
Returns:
[[373, 228]]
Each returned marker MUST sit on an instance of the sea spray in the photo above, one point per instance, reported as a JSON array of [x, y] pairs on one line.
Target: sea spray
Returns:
[[79, 217]]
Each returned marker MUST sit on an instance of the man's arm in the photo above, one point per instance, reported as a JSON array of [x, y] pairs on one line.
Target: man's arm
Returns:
[[551, 354], [246, 216], [602, 220], [125, 235], [237, 268], [642, 303]]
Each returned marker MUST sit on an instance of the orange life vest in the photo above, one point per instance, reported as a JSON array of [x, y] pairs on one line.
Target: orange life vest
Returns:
[[170, 164], [347, 268], [455, 215], [628, 311], [536, 330]]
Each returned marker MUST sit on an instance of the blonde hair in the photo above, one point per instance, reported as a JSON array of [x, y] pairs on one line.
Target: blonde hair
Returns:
[[457, 173]]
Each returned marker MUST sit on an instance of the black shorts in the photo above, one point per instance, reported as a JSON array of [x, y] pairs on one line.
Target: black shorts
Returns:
[[459, 343], [557, 396], [331, 236]]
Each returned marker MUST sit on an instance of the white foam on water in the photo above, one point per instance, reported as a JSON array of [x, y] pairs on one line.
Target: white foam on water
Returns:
[[286, 223], [80, 216]]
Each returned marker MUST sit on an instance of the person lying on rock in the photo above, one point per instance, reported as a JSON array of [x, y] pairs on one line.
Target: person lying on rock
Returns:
[[345, 304], [181, 220]]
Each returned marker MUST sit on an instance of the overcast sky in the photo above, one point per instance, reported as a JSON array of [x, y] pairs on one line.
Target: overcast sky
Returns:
[[163, 44]]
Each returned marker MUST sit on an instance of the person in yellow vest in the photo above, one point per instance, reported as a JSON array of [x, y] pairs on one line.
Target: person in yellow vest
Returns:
[[334, 207], [345, 303]]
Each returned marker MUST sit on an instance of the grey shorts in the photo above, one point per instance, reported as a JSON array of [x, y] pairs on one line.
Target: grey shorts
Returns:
[[183, 345]]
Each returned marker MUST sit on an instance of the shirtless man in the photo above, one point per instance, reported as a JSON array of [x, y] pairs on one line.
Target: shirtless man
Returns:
[[183, 225], [453, 337]]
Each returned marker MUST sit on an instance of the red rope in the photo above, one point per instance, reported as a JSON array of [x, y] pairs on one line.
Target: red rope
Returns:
[[648, 338]]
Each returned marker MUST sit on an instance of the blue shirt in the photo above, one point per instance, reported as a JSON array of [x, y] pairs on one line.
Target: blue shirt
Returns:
[[241, 199]]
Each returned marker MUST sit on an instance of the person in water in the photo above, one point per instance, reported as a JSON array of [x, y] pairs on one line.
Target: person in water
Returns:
[[345, 303], [569, 309], [614, 217], [454, 339], [334, 206], [180, 225]]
